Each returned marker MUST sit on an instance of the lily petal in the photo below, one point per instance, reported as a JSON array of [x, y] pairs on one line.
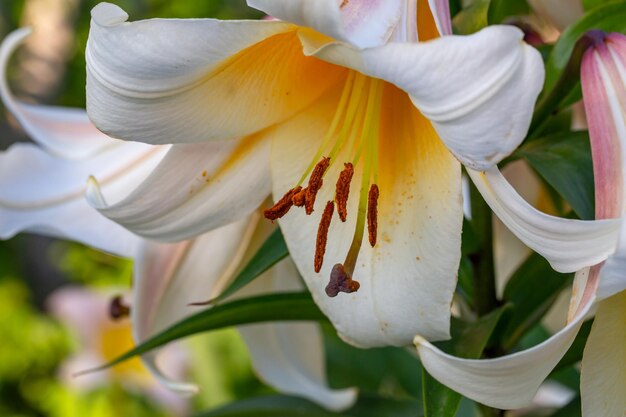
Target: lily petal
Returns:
[[170, 276], [603, 373], [42, 193], [216, 183], [174, 81], [63, 131], [290, 356], [507, 382], [478, 91], [603, 79], [568, 245], [407, 280], [362, 23]]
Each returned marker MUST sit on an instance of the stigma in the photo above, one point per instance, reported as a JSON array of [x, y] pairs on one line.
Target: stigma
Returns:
[[353, 140]]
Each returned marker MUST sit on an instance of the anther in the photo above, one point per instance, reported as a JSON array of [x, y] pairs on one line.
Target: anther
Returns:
[[322, 235], [341, 281], [372, 214], [117, 309], [342, 190], [282, 206], [315, 183], [299, 198]]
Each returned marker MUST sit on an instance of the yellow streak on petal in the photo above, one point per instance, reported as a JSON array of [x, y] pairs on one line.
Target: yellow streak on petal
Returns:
[[426, 26], [270, 81]]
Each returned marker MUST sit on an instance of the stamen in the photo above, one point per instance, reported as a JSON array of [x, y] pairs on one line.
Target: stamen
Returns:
[[322, 235], [117, 309], [341, 281], [299, 198], [342, 190], [372, 214], [282, 206], [315, 183]]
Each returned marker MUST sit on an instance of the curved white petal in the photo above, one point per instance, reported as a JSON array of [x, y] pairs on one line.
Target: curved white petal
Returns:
[[603, 373], [196, 188], [612, 276], [42, 193], [568, 245], [168, 277], [362, 23], [507, 382], [63, 131], [478, 90], [407, 280], [180, 81], [290, 356]]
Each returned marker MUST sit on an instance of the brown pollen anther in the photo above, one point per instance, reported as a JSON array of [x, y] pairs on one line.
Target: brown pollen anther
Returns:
[[282, 206], [299, 198], [341, 281], [315, 183], [322, 235], [372, 214], [117, 309], [342, 190]]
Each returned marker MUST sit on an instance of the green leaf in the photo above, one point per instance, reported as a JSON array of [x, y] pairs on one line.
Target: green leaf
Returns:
[[610, 17], [275, 307], [468, 341], [531, 291], [390, 370], [273, 250], [564, 161], [472, 18]]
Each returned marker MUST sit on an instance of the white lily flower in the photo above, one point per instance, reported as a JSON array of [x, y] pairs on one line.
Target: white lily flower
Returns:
[[85, 313], [511, 381], [344, 93], [43, 192]]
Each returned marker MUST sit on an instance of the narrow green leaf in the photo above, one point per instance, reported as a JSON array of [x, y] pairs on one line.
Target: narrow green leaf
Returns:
[[275, 307], [271, 252], [531, 291], [564, 161], [468, 341]]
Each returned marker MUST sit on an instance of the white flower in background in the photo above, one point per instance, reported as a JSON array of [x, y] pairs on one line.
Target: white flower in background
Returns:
[[86, 315], [560, 13], [42, 191], [361, 116], [511, 381]]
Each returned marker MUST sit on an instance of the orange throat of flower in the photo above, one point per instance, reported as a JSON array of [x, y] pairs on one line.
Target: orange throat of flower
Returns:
[[354, 131]]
